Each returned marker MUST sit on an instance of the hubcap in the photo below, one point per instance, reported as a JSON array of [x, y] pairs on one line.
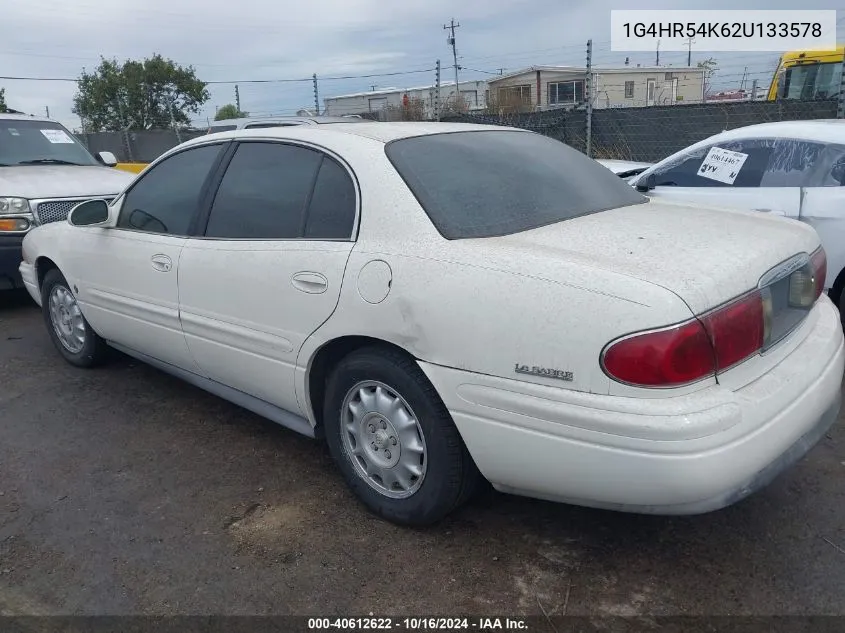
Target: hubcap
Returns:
[[66, 318], [384, 440]]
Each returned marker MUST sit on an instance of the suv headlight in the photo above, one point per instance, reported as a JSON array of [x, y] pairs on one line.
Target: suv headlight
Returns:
[[14, 205]]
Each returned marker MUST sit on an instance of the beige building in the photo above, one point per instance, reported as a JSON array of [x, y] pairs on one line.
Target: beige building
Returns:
[[472, 93], [620, 87]]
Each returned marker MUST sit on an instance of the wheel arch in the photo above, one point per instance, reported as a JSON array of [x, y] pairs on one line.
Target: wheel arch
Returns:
[[326, 357], [43, 265]]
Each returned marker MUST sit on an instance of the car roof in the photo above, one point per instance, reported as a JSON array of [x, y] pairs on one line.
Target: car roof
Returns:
[[819, 130], [376, 131], [7, 116], [282, 119]]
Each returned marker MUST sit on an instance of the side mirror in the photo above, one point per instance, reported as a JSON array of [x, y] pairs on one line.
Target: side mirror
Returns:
[[107, 158], [649, 184], [89, 213]]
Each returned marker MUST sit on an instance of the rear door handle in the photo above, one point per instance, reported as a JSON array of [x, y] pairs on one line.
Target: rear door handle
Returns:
[[161, 263], [312, 283]]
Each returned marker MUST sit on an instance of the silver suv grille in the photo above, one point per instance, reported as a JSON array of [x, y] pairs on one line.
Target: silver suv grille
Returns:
[[57, 210]]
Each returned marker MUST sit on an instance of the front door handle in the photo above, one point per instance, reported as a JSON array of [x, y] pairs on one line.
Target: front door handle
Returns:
[[312, 283], [161, 263]]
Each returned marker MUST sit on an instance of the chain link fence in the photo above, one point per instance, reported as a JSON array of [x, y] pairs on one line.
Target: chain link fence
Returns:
[[652, 133]]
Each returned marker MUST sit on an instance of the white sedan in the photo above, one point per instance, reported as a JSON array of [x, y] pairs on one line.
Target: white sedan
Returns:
[[794, 169], [446, 302]]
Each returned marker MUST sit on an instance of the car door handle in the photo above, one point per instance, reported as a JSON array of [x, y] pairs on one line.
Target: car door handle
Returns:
[[312, 283], [161, 263]]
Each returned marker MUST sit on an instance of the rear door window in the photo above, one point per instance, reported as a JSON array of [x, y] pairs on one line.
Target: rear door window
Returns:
[[264, 192]]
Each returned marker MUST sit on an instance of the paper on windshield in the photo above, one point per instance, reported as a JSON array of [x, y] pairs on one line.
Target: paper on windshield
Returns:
[[57, 136], [722, 165]]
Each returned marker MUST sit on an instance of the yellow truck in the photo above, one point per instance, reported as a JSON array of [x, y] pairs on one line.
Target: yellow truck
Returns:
[[810, 74]]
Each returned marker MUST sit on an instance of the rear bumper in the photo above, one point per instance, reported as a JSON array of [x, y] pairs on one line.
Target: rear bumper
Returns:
[[679, 455], [10, 259]]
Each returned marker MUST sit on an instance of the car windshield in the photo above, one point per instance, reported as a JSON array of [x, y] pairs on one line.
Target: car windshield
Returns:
[[492, 183], [813, 81], [24, 142]]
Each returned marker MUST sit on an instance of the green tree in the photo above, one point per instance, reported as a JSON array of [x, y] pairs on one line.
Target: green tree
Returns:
[[138, 95], [3, 107], [230, 111], [710, 67]]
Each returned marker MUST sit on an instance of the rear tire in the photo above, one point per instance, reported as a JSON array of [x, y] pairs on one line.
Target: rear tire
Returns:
[[70, 332], [394, 440]]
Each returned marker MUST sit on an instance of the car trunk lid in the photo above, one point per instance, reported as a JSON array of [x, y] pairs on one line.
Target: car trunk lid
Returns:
[[707, 256]]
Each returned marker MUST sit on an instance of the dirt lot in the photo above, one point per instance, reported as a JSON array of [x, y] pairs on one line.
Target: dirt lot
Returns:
[[125, 491]]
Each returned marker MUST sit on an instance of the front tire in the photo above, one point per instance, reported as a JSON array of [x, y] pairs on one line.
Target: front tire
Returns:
[[394, 440], [70, 332]]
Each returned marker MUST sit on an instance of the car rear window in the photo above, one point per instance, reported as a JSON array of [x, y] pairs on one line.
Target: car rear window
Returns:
[[491, 183]]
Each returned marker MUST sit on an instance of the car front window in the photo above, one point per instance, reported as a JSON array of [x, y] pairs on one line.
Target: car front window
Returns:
[[25, 142]]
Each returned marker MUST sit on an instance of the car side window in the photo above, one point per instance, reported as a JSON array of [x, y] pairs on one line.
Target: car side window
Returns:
[[768, 163], [280, 191], [830, 170], [331, 214], [166, 198], [791, 162]]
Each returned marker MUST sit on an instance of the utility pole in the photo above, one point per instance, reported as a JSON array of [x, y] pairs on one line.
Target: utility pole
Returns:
[[690, 42], [451, 41], [657, 61], [47, 110], [237, 98], [316, 96], [437, 92]]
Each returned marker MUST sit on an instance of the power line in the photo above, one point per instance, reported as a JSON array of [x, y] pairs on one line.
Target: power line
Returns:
[[248, 81]]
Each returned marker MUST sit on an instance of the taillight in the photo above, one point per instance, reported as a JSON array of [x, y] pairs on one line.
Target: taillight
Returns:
[[737, 330], [664, 358], [692, 351], [717, 340]]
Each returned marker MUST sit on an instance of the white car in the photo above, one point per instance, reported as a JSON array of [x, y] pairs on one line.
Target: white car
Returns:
[[794, 169], [442, 301]]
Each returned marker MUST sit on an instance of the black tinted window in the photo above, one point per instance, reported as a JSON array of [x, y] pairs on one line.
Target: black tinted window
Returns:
[[264, 192], [166, 198], [331, 213], [483, 184]]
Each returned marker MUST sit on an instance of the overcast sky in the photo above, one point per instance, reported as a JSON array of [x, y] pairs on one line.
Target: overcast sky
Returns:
[[267, 39]]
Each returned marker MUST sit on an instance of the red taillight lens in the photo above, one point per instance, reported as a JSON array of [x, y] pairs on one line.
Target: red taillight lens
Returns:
[[737, 330], [666, 358], [818, 261], [692, 351]]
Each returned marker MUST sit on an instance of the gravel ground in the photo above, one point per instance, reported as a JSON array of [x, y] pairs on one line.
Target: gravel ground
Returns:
[[126, 491]]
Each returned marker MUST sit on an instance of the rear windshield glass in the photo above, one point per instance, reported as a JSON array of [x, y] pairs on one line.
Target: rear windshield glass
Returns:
[[491, 183]]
